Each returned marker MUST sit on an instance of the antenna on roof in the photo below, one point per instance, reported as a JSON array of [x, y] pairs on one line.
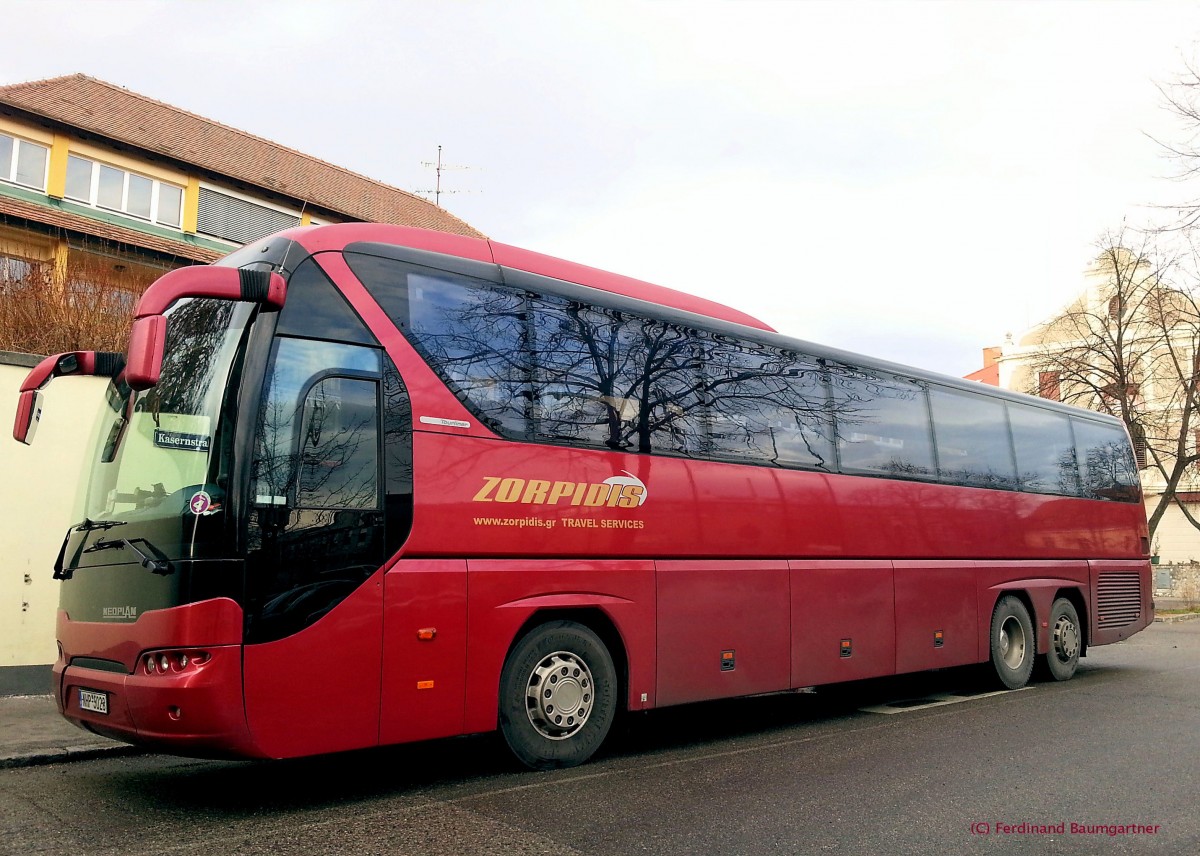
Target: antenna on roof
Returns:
[[439, 166]]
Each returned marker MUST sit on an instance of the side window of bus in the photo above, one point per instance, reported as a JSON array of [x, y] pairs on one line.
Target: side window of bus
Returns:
[[882, 424], [1106, 464], [397, 456], [315, 308], [473, 335], [302, 421], [339, 445], [973, 445], [766, 405], [611, 380], [1045, 451]]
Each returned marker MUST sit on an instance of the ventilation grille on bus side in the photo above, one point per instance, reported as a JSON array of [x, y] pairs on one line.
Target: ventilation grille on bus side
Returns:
[[1118, 599]]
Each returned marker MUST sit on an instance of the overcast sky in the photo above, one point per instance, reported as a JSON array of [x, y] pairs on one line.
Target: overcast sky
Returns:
[[912, 180]]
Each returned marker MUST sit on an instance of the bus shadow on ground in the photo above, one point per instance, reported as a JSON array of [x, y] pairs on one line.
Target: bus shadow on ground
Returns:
[[231, 790]]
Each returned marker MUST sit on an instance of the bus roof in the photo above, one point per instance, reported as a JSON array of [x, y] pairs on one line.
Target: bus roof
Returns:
[[479, 249]]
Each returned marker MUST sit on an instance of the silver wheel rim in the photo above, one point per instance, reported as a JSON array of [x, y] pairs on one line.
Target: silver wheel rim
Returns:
[[1066, 639], [559, 694], [1012, 642]]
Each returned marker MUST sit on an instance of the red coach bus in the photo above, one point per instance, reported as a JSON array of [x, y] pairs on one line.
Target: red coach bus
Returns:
[[359, 485]]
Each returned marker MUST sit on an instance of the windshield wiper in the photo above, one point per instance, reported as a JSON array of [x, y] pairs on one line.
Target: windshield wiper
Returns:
[[88, 524], [61, 572], [151, 563]]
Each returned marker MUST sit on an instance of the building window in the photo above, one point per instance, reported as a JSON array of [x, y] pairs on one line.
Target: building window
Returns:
[[23, 162], [18, 274], [104, 186], [236, 219], [1049, 385]]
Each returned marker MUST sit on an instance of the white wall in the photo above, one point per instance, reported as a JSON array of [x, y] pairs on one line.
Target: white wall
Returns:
[[1176, 540], [40, 497]]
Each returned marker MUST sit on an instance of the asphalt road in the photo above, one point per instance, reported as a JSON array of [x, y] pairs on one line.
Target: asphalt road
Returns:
[[803, 773]]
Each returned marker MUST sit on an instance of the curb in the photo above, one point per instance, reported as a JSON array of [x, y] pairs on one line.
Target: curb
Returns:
[[58, 756], [1174, 619]]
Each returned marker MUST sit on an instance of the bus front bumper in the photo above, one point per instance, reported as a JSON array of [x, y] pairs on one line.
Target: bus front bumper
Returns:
[[192, 707]]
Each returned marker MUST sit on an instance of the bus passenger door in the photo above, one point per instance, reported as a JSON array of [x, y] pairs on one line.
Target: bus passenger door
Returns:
[[315, 545]]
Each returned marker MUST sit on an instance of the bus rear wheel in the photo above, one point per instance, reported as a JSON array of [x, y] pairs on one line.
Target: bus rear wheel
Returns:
[[558, 693], [1013, 646], [1066, 640]]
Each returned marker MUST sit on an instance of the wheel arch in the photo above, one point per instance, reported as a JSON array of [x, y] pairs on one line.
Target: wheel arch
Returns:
[[595, 619], [1023, 595], [1038, 595]]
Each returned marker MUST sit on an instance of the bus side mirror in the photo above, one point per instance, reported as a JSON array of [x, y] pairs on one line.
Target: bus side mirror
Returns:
[[146, 341], [29, 401], [149, 333], [29, 414]]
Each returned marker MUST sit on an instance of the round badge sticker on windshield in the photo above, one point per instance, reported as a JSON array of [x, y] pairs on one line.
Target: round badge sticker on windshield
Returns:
[[200, 503]]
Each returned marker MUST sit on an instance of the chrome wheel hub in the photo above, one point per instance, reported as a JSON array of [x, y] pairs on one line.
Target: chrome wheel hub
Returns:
[[1066, 638], [1012, 642], [558, 697]]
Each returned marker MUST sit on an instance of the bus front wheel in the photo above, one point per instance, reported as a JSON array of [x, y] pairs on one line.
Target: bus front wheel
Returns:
[[1013, 646], [1066, 640], [558, 694]]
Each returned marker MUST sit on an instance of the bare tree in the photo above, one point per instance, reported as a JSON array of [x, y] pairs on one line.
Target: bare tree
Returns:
[[1130, 347], [1181, 98], [89, 307]]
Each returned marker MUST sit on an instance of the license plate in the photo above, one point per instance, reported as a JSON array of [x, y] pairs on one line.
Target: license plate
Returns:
[[93, 701]]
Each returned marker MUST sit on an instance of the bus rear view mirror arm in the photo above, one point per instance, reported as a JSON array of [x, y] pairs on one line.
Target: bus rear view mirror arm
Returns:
[[29, 402], [149, 332]]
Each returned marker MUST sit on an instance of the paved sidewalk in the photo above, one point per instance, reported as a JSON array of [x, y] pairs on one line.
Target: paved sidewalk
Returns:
[[32, 732]]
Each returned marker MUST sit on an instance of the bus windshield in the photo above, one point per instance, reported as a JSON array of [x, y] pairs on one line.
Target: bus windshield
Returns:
[[162, 458]]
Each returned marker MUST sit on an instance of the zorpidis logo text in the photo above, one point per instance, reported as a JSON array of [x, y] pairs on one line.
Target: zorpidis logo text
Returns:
[[624, 491]]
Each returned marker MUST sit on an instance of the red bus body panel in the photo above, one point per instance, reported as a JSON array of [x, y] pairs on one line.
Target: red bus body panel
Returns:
[[317, 691], [424, 679]]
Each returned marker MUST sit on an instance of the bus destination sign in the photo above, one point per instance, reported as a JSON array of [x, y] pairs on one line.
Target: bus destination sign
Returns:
[[177, 440]]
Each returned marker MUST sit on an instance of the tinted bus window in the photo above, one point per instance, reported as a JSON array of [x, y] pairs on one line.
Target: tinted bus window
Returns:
[[475, 337], [296, 395], [882, 425], [471, 334], [1106, 466], [973, 446], [766, 405], [339, 445], [315, 309], [611, 380], [1045, 450]]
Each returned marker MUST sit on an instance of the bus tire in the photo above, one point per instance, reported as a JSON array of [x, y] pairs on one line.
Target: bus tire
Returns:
[[1013, 645], [558, 696], [1066, 640]]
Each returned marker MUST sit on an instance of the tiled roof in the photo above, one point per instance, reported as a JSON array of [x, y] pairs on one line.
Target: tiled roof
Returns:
[[106, 231], [135, 120]]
